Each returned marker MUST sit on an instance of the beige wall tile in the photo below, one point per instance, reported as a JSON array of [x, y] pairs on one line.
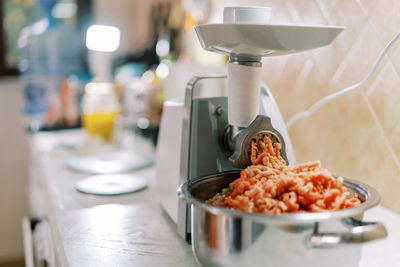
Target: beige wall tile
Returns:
[[386, 19], [344, 77], [286, 82], [394, 139], [384, 96], [305, 11], [365, 51], [349, 127], [329, 58], [280, 13], [369, 6], [381, 171], [273, 70], [395, 57], [396, 204]]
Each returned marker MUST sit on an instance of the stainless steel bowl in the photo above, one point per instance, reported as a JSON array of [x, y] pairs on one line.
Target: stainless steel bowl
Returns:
[[227, 237]]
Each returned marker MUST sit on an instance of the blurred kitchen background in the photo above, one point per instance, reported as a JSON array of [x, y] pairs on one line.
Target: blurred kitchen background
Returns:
[[53, 67]]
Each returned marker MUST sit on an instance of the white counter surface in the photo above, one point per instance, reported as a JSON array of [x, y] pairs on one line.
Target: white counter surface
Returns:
[[132, 229]]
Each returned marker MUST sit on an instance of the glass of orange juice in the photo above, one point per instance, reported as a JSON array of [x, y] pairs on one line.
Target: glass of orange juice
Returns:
[[100, 107]]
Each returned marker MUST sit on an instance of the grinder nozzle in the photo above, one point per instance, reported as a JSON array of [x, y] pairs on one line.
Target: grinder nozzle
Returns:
[[242, 140]]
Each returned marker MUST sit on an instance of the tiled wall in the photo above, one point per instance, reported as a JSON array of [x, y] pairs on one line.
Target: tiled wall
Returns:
[[358, 134]]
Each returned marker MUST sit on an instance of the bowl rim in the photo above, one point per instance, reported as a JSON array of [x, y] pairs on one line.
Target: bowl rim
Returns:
[[370, 195]]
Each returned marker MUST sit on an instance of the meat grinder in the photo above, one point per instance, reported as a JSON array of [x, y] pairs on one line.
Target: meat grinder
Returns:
[[206, 135]]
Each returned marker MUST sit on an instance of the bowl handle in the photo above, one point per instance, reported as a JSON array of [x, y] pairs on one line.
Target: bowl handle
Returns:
[[360, 232]]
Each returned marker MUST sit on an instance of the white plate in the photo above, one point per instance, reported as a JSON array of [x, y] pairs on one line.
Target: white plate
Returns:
[[264, 40], [113, 162], [111, 184]]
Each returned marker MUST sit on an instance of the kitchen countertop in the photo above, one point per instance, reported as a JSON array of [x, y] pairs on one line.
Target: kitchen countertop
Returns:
[[132, 229]]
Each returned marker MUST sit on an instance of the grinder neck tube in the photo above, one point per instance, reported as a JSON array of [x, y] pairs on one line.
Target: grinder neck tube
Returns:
[[244, 78]]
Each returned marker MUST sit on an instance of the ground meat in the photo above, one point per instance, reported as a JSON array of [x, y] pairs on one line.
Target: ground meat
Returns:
[[271, 187]]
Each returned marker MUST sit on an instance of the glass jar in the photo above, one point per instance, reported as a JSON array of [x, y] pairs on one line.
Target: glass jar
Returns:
[[100, 107]]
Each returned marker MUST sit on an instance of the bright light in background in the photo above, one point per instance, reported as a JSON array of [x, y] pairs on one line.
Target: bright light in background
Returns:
[[162, 48], [143, 123], [36, 28], [64, 10], [148, 76], [102, 38], [162, 70]]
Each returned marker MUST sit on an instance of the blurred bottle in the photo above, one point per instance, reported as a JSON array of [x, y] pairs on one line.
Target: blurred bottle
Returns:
[[49, 52], [142, 104], [100, 108]]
